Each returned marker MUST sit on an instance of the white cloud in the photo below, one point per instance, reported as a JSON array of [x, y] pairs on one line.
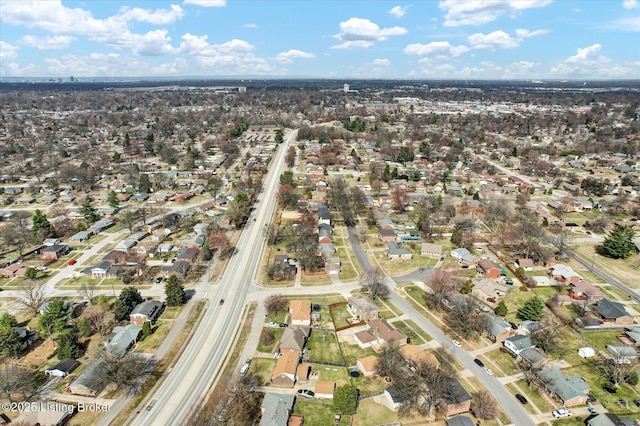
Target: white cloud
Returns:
[[207, 3], [399, 11], [439, 49], [177, 66], [588, 62], [381, 62], [7, 51], [520, 69], [493, 41], [586, 54], [522, 33], [288, 56], [480, 12], [156, 17], [630, 4], [250, 25], [359, 33], [47, 43], [628, 23], [153, 43]]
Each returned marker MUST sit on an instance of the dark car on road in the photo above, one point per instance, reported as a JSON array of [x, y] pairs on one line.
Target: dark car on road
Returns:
[[521, 398], [480, 363]]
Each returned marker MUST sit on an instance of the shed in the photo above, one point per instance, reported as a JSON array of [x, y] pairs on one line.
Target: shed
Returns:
[[586, 352]]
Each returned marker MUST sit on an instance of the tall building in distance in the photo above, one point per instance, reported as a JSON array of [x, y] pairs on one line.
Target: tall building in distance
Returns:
[[345, 89]]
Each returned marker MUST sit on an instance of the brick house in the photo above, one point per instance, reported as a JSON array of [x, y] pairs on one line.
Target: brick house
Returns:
[[583, 290], [147, 311], [300, 311], [488, 269]]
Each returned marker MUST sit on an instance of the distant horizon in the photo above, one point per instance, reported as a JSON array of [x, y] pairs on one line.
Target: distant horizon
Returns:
[[549, 40]]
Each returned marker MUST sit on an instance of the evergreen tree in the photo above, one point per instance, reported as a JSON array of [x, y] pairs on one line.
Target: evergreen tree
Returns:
[[113, 199], [31, 273], [68, 346], [174, 292], [7, 320], [345, 400], [89, 213], [532, 309], [501, 309], [10, 341], [456, 237], [128, 299], [146, 329], [41, 225], [619, 243]]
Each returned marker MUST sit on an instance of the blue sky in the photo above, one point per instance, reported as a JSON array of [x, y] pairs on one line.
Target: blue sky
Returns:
[[448, 39]]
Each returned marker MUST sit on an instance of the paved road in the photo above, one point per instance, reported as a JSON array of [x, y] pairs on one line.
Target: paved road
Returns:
[[509, 404], [192, 376]]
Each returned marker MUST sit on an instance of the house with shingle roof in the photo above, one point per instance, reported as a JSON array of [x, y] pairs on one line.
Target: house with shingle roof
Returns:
[[394, 251], [571, 390], [294, 337], [457, 398], [300, 311], [415, 355], [363, 307], [518, 343], [612, 312], [498, 329], [378, 333], [284, 373], [564, 274], [367, 365], [583, 290], [276, 409]]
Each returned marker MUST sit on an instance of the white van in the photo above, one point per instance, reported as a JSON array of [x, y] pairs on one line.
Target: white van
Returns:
[[244, 369]]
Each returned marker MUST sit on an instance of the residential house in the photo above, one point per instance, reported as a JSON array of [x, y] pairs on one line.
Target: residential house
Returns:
[[49, 413], [122, 339], [367, 365], [623, 354], [431, 250], [363, 307], [569, 390], [463, 256], [378, 333], [488, 287], [276, 409], [394, 397], [324, 236], [612, 312], [518, 343], [394, 251], [27, 336], [631, 336], [323, 214], [300, 311], [101, 270], [488, 269], [408, 236], [14, 270], [284, 373], [147, 311], [387, 235], [100, 226], [414, 355], [80, 237], [524, 263], [188, 254], [125, 245], [533, 357], [86, 383], [457, 399], [324, 389], [54, 252], [63, 368], [294, 337], [498, 329], [609, 419], [564, 274], [138, 236], [51, 242], [388, 224], [583, 290]]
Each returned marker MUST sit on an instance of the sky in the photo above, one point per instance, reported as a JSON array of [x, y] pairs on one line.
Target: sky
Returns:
[[419, 39]]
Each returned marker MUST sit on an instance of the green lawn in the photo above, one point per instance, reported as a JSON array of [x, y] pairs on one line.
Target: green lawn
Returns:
[[318, 413], [279, 317], [262, 369], [600, 339], [352, 353], [325, 317], [369, 384], [371, 414], [340, 316], [532, 394], [412, 336], [324, 347], [277, 333], [417, 294], [504, 361], [418, 330], [386, 309], [160, 330], [340, 375]]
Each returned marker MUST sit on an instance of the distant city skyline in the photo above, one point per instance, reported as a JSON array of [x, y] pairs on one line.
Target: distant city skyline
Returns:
[[448, 39]]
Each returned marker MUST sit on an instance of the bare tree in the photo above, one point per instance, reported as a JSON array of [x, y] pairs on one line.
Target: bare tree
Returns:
[[466, 318], [275, 304], [484, 406], [529, 373], [128, 373], [427, 388], [14, 378], [374, 284], [17, 234], [616, 370], [89, 291], [442, 284], [31, 295], [548, 338], [99, 320], [389, 361]]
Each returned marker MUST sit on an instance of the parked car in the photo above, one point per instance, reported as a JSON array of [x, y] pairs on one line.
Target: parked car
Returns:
[[480, 363], [491, 299], [521, 398], [221, 302], [488, 371], [563, 412], [306, 393], [272, 324], [277, 355], [72, 262], [284, 325], [456, 344]]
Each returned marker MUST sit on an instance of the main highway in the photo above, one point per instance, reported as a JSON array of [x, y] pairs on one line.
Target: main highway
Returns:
[[176, 398]]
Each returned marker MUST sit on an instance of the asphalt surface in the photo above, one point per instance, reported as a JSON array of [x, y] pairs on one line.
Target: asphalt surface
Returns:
[[195, 371]]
